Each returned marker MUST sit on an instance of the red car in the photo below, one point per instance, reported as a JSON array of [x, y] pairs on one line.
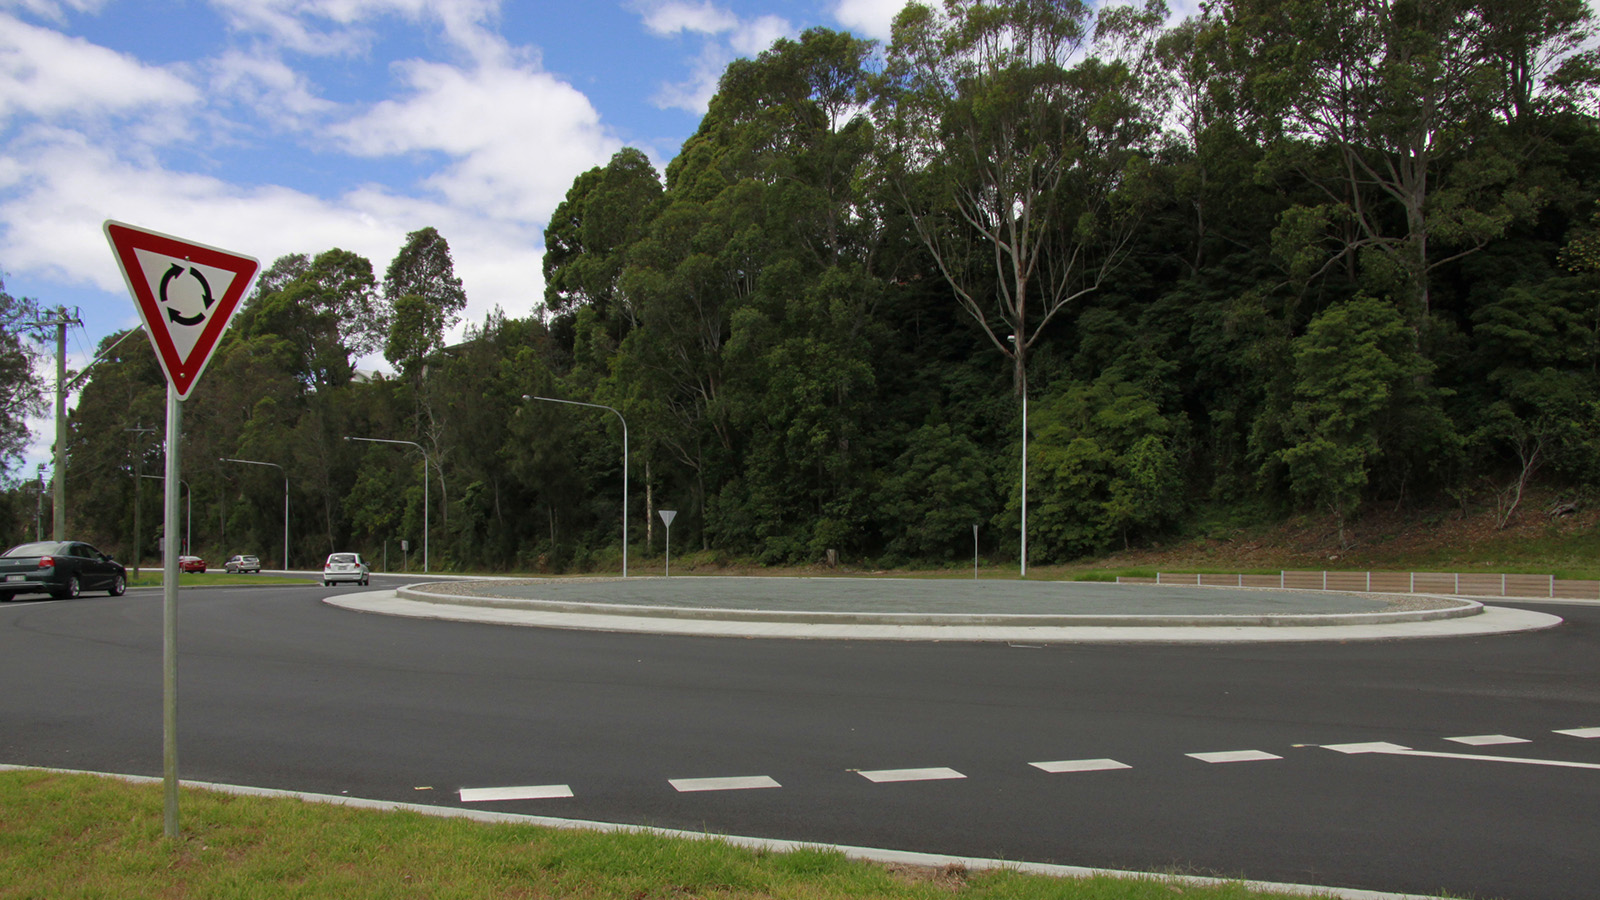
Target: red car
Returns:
[[191, 564]]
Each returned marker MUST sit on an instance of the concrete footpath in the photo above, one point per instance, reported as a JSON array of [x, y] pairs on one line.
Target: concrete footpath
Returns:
[[944, 610]]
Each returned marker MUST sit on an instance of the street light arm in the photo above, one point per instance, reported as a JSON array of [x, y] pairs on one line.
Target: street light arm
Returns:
[[424, 451], [257, 462], [624, 464]]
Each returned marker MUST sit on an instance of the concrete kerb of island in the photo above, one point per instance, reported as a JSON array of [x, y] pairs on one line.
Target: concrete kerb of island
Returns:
[[915, 609]]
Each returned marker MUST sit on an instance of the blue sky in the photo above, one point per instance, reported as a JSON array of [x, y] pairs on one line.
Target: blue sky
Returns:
[[277, 126]]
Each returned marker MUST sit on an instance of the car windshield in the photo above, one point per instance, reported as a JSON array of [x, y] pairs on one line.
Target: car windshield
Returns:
[[39, 548], [341, 558]]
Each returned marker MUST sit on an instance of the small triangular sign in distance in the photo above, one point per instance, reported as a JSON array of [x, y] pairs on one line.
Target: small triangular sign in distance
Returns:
[[186, 294]]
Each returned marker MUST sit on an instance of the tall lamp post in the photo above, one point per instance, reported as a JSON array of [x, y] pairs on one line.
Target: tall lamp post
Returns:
[[624, 466], [424, 489], [257, 462]]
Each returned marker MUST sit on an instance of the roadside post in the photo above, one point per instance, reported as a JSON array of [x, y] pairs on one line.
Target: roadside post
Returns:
[[667, 515], [186, 294]]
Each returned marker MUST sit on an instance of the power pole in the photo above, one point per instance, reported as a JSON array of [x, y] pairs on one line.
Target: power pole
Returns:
[[138, 476], [38, 513], [61, 318]]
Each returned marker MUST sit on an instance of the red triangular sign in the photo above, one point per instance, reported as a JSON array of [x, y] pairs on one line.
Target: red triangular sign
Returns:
[[186, 294]]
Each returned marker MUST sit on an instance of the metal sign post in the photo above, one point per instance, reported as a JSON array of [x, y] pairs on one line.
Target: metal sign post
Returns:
[[667, 516], [186, 294], [169, 615]]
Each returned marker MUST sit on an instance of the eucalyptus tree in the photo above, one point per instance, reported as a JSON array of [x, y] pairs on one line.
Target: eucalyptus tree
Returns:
[[605, 211], [21, 390], [1015, 134], [423, 296], [321, 313], [1389, 107]]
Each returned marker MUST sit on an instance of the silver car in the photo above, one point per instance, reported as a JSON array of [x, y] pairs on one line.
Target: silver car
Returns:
[[344, 567]]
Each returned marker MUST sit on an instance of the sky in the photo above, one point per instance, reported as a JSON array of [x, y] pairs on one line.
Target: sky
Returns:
[[269, 127]]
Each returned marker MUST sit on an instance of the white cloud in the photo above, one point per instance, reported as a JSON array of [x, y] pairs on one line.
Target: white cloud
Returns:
[[263, 81], [517, 136], [868, 18], [694, 94], [47, 74], [752, 37], [52, 10], [73, 186], [331, 27], [701, 18], [724, 37]]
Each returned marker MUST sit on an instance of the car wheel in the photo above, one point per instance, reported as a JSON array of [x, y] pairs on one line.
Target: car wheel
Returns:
[[72, 590], [119, 586]]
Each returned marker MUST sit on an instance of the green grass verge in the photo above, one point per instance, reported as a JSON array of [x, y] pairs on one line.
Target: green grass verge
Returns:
[[153, 578], [80, 836]]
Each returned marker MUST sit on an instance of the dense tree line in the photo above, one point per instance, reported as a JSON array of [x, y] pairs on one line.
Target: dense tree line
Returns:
[[1285, 256]]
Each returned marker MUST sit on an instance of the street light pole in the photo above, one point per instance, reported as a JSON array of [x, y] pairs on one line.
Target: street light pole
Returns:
[[624, 466], [424, 452], [257, 462]]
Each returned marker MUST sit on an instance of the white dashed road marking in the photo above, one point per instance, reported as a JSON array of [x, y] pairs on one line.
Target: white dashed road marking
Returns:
[[1488, 740], [1062, 766], [882, 776], [531, 792], [1080, 765], [1581, 732], [1228, 756], [1369, 747], [738, 783]]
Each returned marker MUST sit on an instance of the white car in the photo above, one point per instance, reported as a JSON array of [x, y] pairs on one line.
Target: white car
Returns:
[[344, 567]]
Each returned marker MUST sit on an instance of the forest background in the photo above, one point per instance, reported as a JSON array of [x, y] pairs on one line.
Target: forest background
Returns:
[[1286, 258]]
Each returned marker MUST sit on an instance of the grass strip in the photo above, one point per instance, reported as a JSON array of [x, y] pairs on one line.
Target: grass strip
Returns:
[[70, 835]]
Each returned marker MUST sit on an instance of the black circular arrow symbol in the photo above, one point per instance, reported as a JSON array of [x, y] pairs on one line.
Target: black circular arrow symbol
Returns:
[[205, 294]]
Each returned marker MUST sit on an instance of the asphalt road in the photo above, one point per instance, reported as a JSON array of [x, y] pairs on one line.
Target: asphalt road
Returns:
[[279, 690]]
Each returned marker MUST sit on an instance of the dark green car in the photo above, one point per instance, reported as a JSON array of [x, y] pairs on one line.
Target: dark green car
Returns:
[[61, 569]]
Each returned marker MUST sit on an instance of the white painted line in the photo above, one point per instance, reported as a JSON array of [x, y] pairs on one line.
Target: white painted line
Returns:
[[530, 792], [1488, 740], [1559, 763], [882, 776], [1228, 756], [1397, 750], [737, 783], [1080, 765], [1369, 747], [1581, 732]]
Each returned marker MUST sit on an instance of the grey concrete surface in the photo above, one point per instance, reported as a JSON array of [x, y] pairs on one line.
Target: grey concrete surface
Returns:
[[943, 609]]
